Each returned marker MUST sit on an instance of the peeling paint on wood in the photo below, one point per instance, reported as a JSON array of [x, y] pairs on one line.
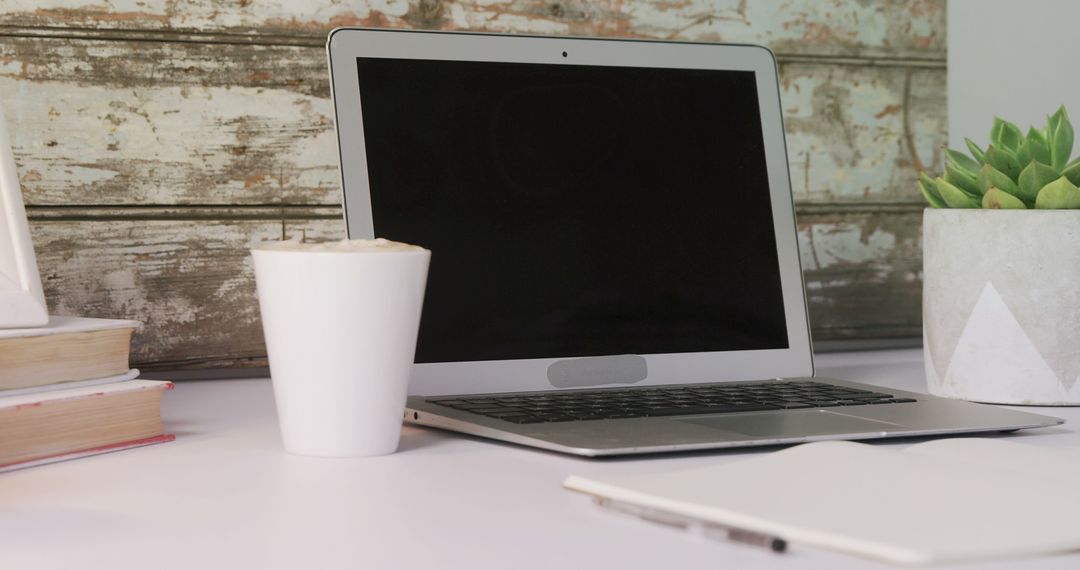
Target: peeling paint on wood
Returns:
[[863, 273], [893, 28], [291, 212], [861, 133], [179, 123], [191, 284], [158, 140], [210, 125]]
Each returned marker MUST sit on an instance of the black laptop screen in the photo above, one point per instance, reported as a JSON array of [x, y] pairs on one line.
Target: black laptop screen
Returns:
[[576, 210]]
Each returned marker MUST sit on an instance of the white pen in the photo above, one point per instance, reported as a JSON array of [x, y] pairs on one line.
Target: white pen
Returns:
[[707, 529]]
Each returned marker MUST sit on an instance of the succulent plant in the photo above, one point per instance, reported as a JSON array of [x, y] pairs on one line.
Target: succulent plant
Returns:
[[1014, 172]]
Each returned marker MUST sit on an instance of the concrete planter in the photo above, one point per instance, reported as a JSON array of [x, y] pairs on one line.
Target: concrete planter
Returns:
[[1001, 305]]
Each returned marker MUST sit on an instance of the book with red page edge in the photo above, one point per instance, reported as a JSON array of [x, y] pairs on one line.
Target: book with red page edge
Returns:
[[100, 450], [68, 424]]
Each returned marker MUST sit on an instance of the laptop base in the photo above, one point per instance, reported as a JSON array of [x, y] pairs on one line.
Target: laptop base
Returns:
[[927, 416]]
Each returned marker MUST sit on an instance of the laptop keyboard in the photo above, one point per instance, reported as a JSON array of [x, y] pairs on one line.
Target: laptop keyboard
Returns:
[[662, 401]]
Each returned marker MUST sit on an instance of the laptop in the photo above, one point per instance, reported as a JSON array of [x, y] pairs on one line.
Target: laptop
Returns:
[[615, 267]]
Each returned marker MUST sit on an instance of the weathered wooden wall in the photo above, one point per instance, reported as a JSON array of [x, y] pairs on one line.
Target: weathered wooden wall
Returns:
[[157, 140]]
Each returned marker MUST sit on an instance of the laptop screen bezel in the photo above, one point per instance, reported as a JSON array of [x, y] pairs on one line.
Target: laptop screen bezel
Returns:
[[345, 45]]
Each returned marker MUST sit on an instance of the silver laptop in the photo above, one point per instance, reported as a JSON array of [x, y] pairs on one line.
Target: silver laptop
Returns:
[[615, 266]]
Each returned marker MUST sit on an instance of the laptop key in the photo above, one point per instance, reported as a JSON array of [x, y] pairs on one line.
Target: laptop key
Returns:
[[525, 419], [660, 412], [869, 396], [505, 413], [467, 406]]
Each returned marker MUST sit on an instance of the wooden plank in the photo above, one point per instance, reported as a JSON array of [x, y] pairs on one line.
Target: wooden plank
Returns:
[[158, 123], [96, 122], [863, 273], [158, 140], [890, 29], [289, 212], [857, 134], [190, 282]]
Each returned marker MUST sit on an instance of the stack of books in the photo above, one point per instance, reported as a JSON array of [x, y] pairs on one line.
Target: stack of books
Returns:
[[66, 391]]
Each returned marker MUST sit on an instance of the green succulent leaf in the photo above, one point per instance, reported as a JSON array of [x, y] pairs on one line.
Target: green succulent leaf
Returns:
[[1006, 135], [1038, 146], [962, 161], [1058, 195], [1061, 147], [990, 177], [995, 199], [963, 180], [929, 191], [998, 126], [1061, 142], [1004, 161], [978, 153], [1033, 178], [1072, 172], [1023, 156], [953, 196], [1054, 120]]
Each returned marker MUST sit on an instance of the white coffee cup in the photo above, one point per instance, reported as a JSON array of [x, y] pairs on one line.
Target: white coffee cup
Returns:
[[340, 321]]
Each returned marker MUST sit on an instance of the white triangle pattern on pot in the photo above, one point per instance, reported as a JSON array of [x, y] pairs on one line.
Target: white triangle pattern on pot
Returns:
[[996, 361], [933, 380]]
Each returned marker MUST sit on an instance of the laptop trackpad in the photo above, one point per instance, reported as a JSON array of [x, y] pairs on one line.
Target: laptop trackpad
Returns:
[[810, 422]]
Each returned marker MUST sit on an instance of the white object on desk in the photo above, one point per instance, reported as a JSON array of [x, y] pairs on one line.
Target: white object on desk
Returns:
[[22, 301], [341, 321], [224, 495], [947, 500]]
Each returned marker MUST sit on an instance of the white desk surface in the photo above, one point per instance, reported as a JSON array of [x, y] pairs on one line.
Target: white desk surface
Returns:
[[225, 495]]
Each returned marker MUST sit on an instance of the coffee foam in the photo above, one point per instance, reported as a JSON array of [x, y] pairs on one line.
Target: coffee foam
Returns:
[[345, 246]]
